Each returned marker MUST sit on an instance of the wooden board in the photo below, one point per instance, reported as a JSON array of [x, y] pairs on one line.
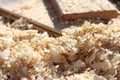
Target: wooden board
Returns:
[[105, 14]]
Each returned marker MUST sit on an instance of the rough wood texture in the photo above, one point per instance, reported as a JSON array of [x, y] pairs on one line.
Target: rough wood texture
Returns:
[[72, 9]]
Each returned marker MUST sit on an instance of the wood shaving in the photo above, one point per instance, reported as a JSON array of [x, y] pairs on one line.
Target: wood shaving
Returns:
[[88, 52]]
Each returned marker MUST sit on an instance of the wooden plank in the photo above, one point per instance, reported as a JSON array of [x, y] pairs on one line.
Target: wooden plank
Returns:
[[40, 27], [105, 14]]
